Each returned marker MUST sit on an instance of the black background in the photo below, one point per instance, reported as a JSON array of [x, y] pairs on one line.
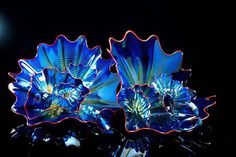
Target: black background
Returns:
[[188, 26]]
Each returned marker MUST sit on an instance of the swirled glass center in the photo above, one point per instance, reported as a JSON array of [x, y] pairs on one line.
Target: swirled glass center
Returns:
[[74, 94], [139, 106]]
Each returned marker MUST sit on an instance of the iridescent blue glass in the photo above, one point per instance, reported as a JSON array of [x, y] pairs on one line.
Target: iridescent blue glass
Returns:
[[65, 80], [153, 92]]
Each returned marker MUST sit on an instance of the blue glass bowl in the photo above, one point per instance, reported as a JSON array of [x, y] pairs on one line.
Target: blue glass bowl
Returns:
[[153, 94], [65, 80]]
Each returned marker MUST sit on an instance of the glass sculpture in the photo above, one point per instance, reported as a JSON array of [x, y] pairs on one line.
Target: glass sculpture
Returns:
[[69, 80], [153, 93], [65, 80]]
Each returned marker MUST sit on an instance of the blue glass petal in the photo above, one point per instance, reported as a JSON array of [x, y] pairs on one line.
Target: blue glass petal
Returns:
[[100, 90], [20, 88], [202, 104], [140, 61], [164, 84], [87, 74], [63, 53]]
